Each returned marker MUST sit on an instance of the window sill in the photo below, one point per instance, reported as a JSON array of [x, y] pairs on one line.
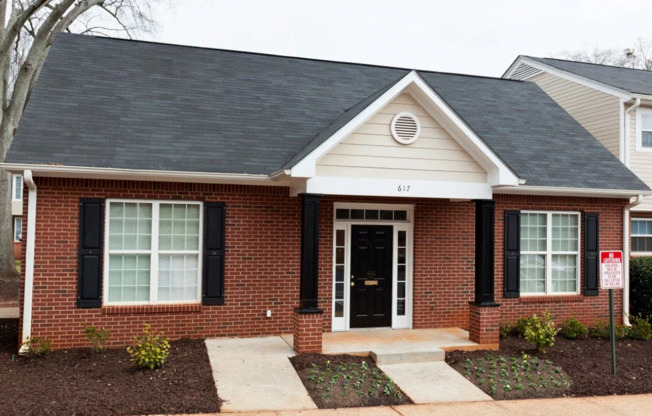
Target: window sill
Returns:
[[139, 309], [553, 298]]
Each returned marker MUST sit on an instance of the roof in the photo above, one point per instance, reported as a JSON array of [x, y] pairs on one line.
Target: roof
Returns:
[[141, 105], [635, 81]]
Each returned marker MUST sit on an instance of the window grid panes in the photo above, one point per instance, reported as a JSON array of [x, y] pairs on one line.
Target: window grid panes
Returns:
[[18, 187], [371, 214], [153, 252], [641, 236], [401, 273], [646, 130], [340, 250], [18, 229], [549, 253]]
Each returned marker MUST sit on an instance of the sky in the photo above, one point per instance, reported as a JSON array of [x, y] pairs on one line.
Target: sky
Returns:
[[463, 36]]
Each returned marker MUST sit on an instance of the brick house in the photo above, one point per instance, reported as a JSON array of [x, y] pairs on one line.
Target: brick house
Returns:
[[221, 193]]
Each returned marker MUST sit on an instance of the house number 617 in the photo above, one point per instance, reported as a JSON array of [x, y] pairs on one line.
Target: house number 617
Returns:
[[403, 188]]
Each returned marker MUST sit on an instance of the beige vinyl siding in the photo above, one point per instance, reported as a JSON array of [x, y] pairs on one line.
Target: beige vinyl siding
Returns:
[[372, 152], [596, 111], [640, 163]]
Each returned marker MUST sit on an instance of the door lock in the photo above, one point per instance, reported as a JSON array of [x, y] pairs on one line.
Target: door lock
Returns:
[[352, 277]]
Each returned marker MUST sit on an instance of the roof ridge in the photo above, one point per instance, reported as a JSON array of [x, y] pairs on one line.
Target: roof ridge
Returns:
[[589, 63], [207, 48]]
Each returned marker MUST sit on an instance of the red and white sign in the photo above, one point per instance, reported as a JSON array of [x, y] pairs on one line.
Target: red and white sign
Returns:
[[611, 269]]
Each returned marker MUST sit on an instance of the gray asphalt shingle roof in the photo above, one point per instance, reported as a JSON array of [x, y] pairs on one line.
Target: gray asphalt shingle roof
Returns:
[[633, 80], [124, 104]]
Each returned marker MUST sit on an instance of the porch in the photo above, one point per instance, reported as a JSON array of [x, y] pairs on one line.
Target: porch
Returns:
[[392, 346]]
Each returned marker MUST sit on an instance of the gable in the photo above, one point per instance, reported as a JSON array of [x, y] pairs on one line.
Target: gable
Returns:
[[371, 151]]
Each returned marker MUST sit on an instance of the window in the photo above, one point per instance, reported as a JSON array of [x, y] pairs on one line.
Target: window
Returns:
[[18, 229], [641, 236], [549, 253], [644, 130], [17, 194], [153, 252], [371, 214]]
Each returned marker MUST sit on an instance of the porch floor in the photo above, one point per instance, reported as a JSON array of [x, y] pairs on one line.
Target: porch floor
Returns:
[[427, 344]]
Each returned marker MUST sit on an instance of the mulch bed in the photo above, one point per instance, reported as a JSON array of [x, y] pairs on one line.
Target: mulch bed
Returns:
[[335, 381], [587, 362], [80, 382]]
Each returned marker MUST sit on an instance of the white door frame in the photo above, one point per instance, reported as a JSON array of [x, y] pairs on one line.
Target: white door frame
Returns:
[[398, 322]]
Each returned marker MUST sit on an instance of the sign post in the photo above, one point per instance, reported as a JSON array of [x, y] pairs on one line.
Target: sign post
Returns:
[[611, 277]]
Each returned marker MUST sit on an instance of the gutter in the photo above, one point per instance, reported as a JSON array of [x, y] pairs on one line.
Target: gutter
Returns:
[[29, 259], [558, 191], [626, 255], [626, 136]]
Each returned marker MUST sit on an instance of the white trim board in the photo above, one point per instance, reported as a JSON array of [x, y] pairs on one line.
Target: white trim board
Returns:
[[498, 172]]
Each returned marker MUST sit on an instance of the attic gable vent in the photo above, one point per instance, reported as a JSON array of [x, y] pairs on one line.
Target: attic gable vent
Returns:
[[524, 71], [406, 128]]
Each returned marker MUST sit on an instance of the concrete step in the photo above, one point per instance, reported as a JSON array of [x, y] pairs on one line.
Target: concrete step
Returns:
[[397, 356]]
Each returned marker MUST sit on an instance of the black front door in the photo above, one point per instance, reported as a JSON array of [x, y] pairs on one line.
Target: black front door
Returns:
[[371, 276]]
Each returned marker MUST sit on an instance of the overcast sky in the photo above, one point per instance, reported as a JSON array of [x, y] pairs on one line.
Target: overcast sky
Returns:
[[468, 36]]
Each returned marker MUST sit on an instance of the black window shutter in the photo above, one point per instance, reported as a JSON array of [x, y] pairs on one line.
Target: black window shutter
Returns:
[[91, 240], [512, 254], [591, 253], [213, 276]]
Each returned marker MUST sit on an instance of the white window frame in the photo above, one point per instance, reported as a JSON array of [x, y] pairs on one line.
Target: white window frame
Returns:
[[154, 252], [398, 322], [549, 253], [640, 253], [15, 187], [639, 129], [19, 229]]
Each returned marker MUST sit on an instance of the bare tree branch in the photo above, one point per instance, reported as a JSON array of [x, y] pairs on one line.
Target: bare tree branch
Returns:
[[15, 27], [636, 58]]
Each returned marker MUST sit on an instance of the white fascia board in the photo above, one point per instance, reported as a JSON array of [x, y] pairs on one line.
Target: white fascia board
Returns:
[[58, 171], [587, 82], [406, 188], [580, 192], [498, 172]]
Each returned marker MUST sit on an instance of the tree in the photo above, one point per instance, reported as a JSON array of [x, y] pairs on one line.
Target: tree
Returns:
[[638, 57], [27, 30]]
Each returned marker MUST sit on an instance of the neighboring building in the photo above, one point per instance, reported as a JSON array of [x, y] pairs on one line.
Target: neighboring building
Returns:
[[615, 105], [17, 212], [222, 193]]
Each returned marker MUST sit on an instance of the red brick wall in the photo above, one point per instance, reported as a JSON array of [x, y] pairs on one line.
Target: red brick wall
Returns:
[[308, 328], [585, 309], [263, 262]]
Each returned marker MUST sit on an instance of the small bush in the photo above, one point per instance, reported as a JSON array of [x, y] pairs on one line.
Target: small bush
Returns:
[[38, 346], [601, 330], [640, 275], [98, 337], [505, 330], [521, 324], [571, 328], [150, 350], [541, 331], [641, 327]]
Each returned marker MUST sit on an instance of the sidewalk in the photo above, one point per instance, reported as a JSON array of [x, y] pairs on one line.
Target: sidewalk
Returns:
[[635, 405]]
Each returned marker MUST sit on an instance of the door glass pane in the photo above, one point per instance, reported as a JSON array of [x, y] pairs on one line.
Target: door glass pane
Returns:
[[386, 215], [342, 214], [400, 215], [339, 238], [357, 214], [371, 214], [339, 308]]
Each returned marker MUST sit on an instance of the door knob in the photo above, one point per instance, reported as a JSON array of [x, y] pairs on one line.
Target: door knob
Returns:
[[352, 283]]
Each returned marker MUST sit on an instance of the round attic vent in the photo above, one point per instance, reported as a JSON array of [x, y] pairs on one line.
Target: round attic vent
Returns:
[[405, 128]]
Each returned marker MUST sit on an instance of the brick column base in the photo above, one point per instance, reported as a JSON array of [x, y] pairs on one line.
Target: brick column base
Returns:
[[484, 325], [308, 329]]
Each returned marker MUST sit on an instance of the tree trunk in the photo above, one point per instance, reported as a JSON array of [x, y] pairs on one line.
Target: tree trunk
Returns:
[[9, 277]]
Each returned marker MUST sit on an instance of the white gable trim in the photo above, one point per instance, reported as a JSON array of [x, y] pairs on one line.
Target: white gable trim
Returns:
[[499, 174], [587, 82]]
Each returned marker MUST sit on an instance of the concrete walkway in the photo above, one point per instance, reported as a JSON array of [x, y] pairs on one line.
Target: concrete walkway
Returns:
[[636, 405], [255, 374]]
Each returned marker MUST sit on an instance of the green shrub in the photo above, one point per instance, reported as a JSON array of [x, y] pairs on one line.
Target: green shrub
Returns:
[[38, 346], [641, 327], [640, 277], [150, 350], [98, 337], [505, 330], [541, 331], [601, 330], [571, 328], [521, 324]]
